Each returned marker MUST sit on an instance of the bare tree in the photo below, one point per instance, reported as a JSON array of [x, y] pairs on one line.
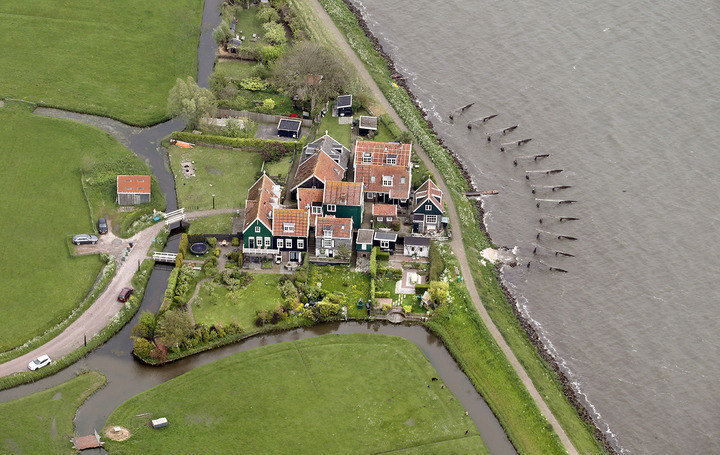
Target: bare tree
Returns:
[[312, 72]]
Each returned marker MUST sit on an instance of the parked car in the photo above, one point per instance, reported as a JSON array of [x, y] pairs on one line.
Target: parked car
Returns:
[[102, 226], [125, 294], [42, 361], [83, 239]]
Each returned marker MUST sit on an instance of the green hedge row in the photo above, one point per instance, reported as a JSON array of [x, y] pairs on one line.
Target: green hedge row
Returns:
[[238, 142]]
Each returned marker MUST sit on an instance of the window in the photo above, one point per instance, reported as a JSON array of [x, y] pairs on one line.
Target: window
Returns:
[[402, 180], [257, 229], [251, 242], [384, 244], [367, 158], [391, 160], [370, 195], [327, 243], [288, 227], [431, 219], [300, 244], [267, 242], [307, 206], [428, 207], [331, 208], [380, 218], [387, 180], [327, 232], [317, 210], [259, 242], [288, 243]]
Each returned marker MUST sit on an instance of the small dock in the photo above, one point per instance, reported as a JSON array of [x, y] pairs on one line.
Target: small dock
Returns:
[[87, 442]]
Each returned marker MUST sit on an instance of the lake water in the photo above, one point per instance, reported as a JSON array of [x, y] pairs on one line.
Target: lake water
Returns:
[[625, 96]]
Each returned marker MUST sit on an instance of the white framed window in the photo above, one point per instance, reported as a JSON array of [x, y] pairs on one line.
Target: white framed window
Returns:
[[259, 242], [391, 160], [267, 242], [300, 244], [372, 179], [384, 244], [327, 232], [431, 219], [257, 229], [402, 180], [370, 195], [288, 227], [307, 206], [387, 180], [316, 210], [327, 243], [389, 218], [331, 208], [428, 207], [288, 243], [367, 158], [380, 218]]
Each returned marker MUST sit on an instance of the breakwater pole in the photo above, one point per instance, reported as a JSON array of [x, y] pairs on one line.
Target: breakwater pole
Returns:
[[480, 120], [538, 201], [553, 234], [547, 266], [562, 219], [542, 172], [459, 110], [530, 157], [556, 252], [501, 132], [536, 188], [519, 143]]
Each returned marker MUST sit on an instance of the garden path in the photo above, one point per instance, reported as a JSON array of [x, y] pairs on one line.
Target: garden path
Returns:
[[457, 241], [101, 312]]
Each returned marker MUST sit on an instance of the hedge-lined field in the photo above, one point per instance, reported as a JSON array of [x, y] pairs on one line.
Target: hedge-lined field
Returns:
[[115, 59], [351, 393]]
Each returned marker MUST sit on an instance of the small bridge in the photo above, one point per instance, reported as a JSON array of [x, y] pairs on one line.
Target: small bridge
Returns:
[[175, 216], [160, 256]]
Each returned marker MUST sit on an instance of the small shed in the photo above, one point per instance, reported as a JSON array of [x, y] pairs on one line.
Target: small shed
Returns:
[[344, 106], [363, 242], [234, 45], [133, 189], [417, 247], [384, 213], [366, 124], [386, 241], [288, 127], [162, 422]]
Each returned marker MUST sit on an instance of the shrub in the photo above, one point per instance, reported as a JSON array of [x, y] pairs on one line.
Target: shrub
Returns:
[[274, 33], [421, 288], [268, 54], [268, 14], [235, 241], [146, 325], [212, 241], [278, 148], [324, 310], [179, 259], [143, 347], [373, 262], [437, 264], [240, 259], [288, 290], [407, 308], [382, 294], [262, 317], [383, 255], [300, 277], [372, 291], [184, 243], [439, 292], [254, 84], [217, 252]]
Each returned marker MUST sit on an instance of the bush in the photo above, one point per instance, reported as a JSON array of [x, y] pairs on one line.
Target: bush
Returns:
[[437, 263], [254, 84], [300, 277], [382, 294], [421, 288], [268, 54], [274, 33], [212, 241], [324, 310], [439, 292], [235, 241], [372, 291], [240, 259], [179, 259], [146, 325], [268, 14], [373, 262], [184, 243], [383, 255], [288, 290], [275, 148], [143, 347], [262, 317]]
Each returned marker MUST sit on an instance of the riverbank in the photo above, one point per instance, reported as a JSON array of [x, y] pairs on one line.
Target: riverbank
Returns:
[[519, 333]]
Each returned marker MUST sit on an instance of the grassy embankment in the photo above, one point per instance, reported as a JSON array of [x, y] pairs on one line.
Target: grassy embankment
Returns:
[[43, 204], [43, 421], [270, 397], [462, 331], [115, 59]]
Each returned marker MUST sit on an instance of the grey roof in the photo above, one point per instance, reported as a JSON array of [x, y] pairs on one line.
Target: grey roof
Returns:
[[234, 42], [335, 150], [344, 101], [418, 241], [368, 123], [286, 124], [365, 236], [391, 236]]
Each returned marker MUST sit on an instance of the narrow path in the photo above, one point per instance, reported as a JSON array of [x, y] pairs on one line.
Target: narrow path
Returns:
[[98, 316], [457, 241]]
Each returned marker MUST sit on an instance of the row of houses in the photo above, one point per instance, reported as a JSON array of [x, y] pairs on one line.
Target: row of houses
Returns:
[[330, 209]]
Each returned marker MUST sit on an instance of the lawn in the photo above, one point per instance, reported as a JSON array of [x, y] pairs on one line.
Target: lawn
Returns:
[[225, 173], [235, 69], [351, 393], [116, 59], [216, 224], [43, 203], [245, 101], [340, 133], [248, 22], [43, 421], [279, 168], [352, 286], [215, 303]]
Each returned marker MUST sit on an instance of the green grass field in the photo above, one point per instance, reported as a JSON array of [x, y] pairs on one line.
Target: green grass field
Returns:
[[234, 69], [43, 203], [279, 168], [223, 172], [215, 303], [116, 59], [352, 393], [43, 422], [340, 133], [216, 224]]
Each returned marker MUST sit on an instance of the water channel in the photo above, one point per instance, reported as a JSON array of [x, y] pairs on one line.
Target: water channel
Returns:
[[127, 378]]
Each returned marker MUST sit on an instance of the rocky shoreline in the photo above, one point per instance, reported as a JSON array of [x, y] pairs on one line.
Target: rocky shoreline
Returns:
[[532, 334]]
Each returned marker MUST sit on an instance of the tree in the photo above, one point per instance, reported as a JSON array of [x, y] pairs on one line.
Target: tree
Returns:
[[268, 14], [184, 243], [146, 326], [222, 33], [188, 100], [143, 347], [274, 33], [174, 327], [312, 72], [438, 292], [268, 105], [406, 137], [343, 252]]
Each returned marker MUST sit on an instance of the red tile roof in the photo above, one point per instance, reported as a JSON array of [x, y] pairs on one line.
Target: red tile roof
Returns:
[[380, 152], [384, 210], [298, 219], [343, 193], [307, 197], [321, 166], [429, 190], [401, 180], [341, 227], [263, 197], [133, 184]]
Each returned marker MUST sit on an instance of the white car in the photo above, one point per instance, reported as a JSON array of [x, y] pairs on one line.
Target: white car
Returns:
[[42, 361]]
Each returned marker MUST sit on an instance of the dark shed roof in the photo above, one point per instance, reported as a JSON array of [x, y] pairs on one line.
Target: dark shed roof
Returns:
[[344, 101], [417, 241], [391, 236], [287, 124]]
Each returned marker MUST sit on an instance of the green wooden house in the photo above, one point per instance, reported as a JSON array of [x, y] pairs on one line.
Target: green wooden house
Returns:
[[344, 200]]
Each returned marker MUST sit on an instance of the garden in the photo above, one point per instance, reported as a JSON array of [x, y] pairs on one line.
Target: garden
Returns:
[[101, 60], [268, 399]]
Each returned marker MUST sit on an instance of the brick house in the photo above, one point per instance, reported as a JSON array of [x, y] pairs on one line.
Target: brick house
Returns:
[[316, 171], [133, 189], [385, 170], [290, 233], [384, 213]]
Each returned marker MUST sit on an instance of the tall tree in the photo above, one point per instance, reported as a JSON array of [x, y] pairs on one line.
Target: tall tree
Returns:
[[188, 100], [312, 72], [174, 327]]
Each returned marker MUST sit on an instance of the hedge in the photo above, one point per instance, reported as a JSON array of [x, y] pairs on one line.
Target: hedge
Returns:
[[267, 145], [421, 288], [383, 256]]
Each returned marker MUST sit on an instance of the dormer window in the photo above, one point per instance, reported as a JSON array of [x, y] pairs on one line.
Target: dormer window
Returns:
[[331, 207], [367, 158], [387, 181], [288, 227], [428, 207], [402, 180], [391, 159], [317, 210], [327, 232], [372, 179]]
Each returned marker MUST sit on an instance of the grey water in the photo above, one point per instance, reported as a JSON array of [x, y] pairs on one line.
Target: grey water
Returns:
[[625, 96]]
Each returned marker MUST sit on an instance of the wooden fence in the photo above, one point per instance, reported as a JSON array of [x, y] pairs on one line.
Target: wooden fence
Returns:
[[258, 117]]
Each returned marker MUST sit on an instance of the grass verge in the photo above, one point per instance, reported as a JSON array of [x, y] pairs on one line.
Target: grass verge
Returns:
[[43, 421], [334, 376], [546, 380]]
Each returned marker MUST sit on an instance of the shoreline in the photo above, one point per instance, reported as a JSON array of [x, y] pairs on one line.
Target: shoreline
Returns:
[[570, 393]]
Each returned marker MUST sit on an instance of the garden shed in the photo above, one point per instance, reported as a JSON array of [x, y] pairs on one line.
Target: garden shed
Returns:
[[344, 106], [363, 242], [386, 241], [288, 127], [416, 247], [133, 189], [366, 124]]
